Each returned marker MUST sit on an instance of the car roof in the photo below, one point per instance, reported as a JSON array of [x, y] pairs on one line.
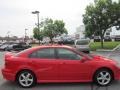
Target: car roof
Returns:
[[48, 46], [53, 46]]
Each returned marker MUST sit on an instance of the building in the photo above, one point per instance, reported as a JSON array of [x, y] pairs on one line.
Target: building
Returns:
[[16, 39], [112, 32], [80, 32]]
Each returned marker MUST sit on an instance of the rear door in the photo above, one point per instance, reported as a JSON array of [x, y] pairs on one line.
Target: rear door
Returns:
[[45, 64]]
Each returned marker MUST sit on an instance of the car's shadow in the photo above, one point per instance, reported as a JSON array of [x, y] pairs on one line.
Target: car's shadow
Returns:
[[61, 86]]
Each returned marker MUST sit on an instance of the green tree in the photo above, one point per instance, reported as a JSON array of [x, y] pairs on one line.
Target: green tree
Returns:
[[53, 28], [100, 16], [37, 34]]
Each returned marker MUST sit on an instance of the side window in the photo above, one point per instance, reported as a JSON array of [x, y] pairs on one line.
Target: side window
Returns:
[[68, 54], [47, 53]]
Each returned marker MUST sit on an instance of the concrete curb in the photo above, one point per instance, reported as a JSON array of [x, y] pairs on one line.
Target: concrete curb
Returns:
[[108, 50]]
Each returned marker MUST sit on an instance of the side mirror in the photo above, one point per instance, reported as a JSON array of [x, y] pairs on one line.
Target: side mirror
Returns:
[[84, 59]]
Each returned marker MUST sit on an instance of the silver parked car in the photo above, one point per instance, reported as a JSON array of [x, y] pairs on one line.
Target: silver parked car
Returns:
[[3, 47], [83, 45]]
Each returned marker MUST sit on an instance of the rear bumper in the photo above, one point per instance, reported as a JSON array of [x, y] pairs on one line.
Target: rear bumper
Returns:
[[8, 75]]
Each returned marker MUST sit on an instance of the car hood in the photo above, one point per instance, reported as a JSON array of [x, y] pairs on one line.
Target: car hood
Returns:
[[101, 58]]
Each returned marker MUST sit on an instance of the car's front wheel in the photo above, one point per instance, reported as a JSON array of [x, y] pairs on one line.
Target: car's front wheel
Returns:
[[103, 77], [26, 79]]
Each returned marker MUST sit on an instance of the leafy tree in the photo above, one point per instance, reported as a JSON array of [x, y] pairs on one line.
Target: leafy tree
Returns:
[[100, 16], [37, 34], [53, 28]]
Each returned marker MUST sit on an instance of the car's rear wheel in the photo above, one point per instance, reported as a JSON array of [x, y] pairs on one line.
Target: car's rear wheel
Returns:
[[103, 77], [26, 79]]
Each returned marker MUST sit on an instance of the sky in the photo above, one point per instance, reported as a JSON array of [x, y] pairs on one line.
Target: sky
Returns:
[[15, 15]]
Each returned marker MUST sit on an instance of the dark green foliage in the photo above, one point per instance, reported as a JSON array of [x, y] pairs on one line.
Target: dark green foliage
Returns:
[[100, 16]]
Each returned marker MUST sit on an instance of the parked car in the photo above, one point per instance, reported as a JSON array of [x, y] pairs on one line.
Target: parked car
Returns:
[[3, 47], [18, 47], [67, 42], [58, 63], [117, 38], [0, 44], [10, 47], [97, 38], [107, 38], [82, 45]]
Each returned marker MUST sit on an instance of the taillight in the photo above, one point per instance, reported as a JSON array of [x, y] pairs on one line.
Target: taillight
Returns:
[[6, 64]]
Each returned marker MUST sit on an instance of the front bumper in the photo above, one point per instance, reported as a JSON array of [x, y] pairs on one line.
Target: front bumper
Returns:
[[117, 75], [8, 75]]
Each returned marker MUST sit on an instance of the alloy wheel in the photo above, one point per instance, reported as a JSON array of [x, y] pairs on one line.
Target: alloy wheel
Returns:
[[26, 79], [103, 78]]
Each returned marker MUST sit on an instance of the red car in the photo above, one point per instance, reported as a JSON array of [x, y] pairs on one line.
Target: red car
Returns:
[[45, 64]]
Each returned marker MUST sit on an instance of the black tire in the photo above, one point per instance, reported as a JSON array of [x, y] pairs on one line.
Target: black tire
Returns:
[[32, 77], [97, 76]]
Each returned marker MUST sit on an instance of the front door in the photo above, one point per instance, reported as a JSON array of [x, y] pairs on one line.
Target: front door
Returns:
[[71, 68]]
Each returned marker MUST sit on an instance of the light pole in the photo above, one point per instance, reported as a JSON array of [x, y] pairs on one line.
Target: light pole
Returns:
[[8, 35], [37, 13], [25, 40]]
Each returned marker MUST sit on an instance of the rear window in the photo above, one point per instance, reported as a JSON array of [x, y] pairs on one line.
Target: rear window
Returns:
[[82, 42], [21, 52]]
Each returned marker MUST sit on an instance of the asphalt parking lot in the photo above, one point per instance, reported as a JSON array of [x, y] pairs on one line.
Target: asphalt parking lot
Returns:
[[7, 85]]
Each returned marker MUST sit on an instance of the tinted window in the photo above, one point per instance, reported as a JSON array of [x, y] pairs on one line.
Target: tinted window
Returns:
[[68, 54], [43, 53], [82, 42]]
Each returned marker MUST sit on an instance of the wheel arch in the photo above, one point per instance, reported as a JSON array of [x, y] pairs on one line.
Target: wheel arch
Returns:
[[107, 68], [25, 70]]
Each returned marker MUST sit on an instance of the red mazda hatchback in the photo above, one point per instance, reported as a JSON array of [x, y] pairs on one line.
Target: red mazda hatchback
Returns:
[[45, 64]]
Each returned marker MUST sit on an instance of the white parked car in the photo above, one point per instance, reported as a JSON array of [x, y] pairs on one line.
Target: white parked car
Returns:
[[82, 45]]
